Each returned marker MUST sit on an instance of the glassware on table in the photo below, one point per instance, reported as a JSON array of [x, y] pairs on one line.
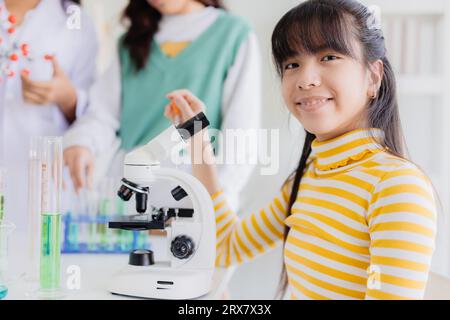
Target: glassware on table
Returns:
[[45, 182], [6, 228]]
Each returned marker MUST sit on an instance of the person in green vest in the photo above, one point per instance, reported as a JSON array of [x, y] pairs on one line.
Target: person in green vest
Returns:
[[170, 44]]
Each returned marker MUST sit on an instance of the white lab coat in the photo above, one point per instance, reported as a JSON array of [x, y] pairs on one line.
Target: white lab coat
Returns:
[[45, 30]]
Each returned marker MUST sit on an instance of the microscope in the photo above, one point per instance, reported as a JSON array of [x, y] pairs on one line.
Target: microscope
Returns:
[[190, 231]]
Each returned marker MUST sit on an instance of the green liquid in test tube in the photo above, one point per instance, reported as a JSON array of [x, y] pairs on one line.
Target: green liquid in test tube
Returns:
[[50, 251], [50, 215], [102, 227], [2, 205], [74, 227], [6, 228]]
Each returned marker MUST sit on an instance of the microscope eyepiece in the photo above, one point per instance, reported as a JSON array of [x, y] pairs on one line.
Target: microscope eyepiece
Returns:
[[125, 193]]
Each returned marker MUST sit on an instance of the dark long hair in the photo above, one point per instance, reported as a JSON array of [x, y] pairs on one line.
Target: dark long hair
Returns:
[[317, 24], [144, 21]]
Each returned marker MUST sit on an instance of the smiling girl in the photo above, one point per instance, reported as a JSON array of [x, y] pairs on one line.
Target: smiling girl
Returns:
[[357, 219]]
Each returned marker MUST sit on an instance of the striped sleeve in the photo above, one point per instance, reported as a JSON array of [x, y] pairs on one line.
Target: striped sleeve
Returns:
[[402, 226], [242, 239]]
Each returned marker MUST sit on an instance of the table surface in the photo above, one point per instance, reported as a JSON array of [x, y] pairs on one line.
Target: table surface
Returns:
[[95, 271]]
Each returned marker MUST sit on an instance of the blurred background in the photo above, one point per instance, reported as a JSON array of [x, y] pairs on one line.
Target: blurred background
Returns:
[[417, 35]]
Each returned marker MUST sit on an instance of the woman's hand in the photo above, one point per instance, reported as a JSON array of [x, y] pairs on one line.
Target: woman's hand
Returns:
[[80, 162], [59, 90]]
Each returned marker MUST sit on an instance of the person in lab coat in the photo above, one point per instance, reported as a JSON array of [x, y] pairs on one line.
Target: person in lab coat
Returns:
[[169, 44], [49, 92]]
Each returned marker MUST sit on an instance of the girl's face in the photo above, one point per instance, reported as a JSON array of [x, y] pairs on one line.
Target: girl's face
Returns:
[[329, 92], [171, 7]]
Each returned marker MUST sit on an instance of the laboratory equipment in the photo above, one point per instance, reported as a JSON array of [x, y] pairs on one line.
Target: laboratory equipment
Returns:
[[6, 228], [2, 192], [45, 218], [188, 226], [34, 211], [77, 239], [51, 183], [86, 219]]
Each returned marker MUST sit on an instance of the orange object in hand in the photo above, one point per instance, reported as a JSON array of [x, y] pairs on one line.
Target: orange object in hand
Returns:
[[176, 112], [175, 109]]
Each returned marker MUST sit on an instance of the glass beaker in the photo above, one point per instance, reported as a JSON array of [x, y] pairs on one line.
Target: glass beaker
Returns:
[[6, 228]]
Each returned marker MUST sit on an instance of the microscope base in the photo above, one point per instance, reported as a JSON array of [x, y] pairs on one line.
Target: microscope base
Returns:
[[161, 282]]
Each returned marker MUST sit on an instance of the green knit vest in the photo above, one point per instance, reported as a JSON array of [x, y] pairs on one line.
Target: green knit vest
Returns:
[[201, 67]]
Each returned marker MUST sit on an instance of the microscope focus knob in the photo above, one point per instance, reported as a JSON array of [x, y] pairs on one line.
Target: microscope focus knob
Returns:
[[182, 247]]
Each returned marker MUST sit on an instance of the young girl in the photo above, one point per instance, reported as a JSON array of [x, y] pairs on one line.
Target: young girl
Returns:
[[170, 44], [357, 220]]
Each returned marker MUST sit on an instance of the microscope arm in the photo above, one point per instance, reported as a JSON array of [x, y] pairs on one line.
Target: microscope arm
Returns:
[[160, 147]]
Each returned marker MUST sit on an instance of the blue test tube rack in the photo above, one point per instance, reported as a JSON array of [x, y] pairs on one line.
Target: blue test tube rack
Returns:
[[90, 234]]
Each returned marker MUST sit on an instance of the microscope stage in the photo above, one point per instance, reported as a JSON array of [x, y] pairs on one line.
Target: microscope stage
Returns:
[[143, 222]]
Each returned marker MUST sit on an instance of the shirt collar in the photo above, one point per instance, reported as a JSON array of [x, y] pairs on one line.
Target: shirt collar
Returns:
[[346, 149]]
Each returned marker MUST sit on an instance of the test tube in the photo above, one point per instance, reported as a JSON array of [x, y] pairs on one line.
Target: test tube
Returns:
[[2, 193], [5, 230], [107, 210], [125, 238], [50, 215], [34, 211], [72, 227], [91, 206], [102, 216]]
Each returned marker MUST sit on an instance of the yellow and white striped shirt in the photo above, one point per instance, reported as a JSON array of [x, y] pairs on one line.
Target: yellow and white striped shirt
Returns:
[[362, 227]]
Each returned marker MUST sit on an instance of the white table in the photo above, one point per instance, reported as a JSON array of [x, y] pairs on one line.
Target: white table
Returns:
[[95, 271]]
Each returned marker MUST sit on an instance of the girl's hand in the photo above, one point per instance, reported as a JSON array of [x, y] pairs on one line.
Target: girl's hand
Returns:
[[58, 90], [183, 106]]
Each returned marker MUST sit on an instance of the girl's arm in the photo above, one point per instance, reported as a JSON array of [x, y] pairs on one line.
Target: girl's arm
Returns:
[[402, 226], [183, 107], [238, 239]]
